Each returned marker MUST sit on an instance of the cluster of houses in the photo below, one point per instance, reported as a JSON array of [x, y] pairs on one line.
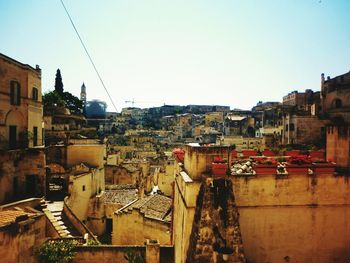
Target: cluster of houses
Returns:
[[115, 179]]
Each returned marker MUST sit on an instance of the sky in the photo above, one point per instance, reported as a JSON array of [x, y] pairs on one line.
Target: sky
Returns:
[[156, 52]]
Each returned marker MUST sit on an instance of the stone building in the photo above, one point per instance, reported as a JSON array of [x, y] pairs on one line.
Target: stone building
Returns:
[[301, 128], [239, 126], [60, 124], [302, 100], [335, 94], [22, 230], [22, 161], [145, 218], [21, 111], [302, 123]]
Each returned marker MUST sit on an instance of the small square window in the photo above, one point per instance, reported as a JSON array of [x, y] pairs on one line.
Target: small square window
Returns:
[[83, 188]]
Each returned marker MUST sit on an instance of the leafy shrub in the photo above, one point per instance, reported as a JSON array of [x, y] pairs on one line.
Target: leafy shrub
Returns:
[[56, 251]]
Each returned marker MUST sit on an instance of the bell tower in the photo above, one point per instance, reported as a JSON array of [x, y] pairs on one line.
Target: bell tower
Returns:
[[83, 96]]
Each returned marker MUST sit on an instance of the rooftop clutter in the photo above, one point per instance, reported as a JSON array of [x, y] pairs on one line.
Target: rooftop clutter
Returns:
[[292, 162]]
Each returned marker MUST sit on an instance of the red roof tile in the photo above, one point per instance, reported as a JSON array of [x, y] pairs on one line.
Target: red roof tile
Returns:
[[9, 216]]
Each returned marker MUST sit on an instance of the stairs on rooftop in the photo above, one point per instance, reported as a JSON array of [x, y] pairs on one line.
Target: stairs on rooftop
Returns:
[[53, 211]]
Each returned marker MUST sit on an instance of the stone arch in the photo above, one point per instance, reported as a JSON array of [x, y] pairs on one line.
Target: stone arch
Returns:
[[15, 125], [15, 117]]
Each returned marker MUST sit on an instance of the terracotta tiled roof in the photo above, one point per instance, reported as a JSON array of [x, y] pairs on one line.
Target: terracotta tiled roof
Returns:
[[154, 206], [9, 216], [120, 196]]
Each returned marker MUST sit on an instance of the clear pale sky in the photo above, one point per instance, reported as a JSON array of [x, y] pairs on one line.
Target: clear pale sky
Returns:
[[181, 52]]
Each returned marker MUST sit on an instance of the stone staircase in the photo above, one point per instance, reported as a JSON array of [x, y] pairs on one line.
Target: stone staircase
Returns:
[[216, 235], [53, 211]]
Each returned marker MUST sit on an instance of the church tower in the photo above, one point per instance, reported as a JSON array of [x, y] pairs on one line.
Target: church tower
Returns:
[[83, 96]]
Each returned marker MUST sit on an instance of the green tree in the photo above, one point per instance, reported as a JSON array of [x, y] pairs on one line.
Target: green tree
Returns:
[[66, 99], [58, 82], [73, 103], [53, 98], [56, 251]]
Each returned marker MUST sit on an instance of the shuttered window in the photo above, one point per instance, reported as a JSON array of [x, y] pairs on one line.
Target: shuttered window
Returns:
[[15, 93], [35, 94]]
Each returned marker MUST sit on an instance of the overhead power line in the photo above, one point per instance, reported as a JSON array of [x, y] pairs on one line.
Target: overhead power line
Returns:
[[87, 53]]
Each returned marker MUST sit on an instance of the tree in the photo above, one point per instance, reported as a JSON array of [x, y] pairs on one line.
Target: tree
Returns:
[[73, 103], [53, 98], [56, 251], [58, 82], [65, 99]]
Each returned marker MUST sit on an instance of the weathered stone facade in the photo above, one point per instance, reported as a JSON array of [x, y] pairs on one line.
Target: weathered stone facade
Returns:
[[146, 218], [216, 230], [21, 108], [338, 142], [22, 174], [295, 218], [22, 231], [303, 129]]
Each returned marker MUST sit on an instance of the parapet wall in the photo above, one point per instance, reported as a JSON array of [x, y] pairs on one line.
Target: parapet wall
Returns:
[[117, 253], [198, 159], [269, 190], [298, 218], [80, 226]]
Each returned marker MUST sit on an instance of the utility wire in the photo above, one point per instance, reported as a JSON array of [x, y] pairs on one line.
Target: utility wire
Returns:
[[87, 53]]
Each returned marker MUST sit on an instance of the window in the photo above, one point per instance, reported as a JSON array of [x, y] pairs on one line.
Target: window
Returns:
[[83, 188], [35, 94], [337, 103], [286, 127], [291, 127], [13, 137], [15, 93], [35, 136]]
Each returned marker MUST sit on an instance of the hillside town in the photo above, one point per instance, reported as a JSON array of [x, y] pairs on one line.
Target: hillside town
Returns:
[[175, 183]]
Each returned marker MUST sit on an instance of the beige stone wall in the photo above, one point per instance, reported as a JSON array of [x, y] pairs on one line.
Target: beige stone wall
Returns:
[[132, 228], [302, 218], [244, 142], [82, 188], [120, 175], [29, 112], [338, 142], [90, 154], [113, 159], [301, 233], [76, 221], [115, 254], [81, 192], [166, 178], [214, 117], [18, 243], [112, 254], [198, 160], [185, 197], [307, 129], [18, 166]]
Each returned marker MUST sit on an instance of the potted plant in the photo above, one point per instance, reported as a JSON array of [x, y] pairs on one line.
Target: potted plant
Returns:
[[299, 164], [317, 156], [265, 166], [268, 152], [219, 166], [248, 153]]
